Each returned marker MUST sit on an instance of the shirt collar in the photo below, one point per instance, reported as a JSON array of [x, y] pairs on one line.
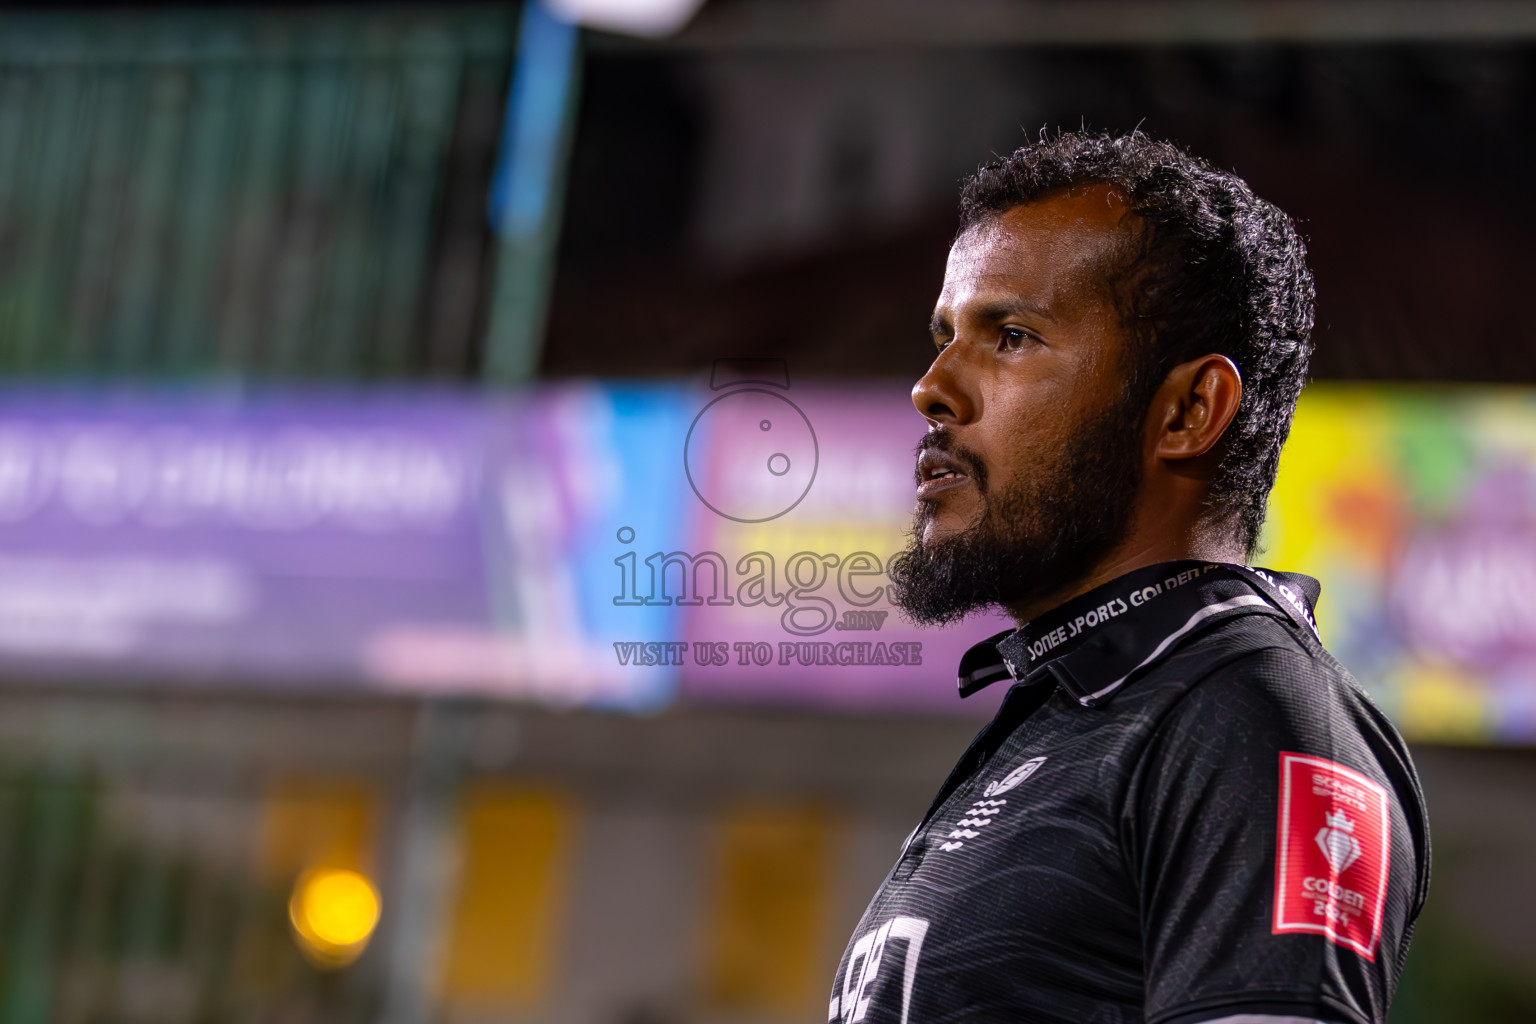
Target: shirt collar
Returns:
[[1097, 642]]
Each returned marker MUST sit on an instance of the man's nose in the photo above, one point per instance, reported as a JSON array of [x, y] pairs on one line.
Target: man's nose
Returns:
[[945, 395]]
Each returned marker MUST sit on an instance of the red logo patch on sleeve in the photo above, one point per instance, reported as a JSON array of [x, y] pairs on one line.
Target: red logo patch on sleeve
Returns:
[[1332, 853]]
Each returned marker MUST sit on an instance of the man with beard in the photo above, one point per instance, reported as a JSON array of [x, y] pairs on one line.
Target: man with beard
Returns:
[[1185, 810]]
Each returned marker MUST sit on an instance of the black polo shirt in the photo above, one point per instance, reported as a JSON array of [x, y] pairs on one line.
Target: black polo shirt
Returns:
[[1185, 810]]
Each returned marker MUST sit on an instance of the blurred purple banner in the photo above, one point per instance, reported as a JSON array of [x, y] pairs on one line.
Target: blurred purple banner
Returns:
[[807, 493], [243, 537], [578, 544]]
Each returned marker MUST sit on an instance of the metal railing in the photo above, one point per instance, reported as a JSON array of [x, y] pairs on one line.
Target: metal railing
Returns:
[[279, 194]]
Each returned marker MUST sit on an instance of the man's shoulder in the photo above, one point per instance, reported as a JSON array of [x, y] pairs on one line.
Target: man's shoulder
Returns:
[[1255, 692], [1256, 684], [1258, 651], [1258, 673]]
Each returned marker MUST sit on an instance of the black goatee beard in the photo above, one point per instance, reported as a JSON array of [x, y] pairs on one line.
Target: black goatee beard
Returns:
[[1036, 537]]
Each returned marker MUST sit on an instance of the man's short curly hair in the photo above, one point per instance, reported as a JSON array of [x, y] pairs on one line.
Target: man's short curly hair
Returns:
[[1217, 270]]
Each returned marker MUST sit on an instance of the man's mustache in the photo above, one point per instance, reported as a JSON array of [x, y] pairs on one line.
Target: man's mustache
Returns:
[[941, 440]]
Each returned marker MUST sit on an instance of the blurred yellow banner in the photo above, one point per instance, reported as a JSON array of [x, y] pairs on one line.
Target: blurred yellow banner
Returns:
[[511, 897], [1416, 508], [768, 917]]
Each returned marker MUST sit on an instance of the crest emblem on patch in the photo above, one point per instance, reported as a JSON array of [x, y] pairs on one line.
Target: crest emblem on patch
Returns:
[[1337, 841]]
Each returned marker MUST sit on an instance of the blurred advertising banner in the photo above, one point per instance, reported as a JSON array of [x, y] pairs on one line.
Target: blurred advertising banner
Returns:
[[627, 545], [560, 467], [1416, 507], [733, 538], [803, 496], [204, 536], [583, 544], [344, 540]]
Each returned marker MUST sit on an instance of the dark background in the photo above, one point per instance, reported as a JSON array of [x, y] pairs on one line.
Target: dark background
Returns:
[[1407, 168]]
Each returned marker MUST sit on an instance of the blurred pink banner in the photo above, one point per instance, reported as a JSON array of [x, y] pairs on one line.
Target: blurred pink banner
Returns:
[[803, 495]]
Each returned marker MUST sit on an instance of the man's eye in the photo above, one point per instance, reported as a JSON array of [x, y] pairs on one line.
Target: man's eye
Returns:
[[1015, 338]]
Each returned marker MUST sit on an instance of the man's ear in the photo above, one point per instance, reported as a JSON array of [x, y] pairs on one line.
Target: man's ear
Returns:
[[1195, 406]]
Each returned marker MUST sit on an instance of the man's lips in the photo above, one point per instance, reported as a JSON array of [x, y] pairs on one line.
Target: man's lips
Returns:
[[938, 472]]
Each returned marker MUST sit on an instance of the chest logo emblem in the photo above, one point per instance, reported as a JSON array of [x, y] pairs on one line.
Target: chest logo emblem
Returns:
[[984, 810], [1014, 777]]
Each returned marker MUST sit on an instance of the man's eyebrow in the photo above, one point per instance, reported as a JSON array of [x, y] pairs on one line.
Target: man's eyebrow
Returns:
[[995, 311], [1002, 309]]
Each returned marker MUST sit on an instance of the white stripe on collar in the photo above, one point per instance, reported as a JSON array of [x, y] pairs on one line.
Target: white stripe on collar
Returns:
[[1200, 616]]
